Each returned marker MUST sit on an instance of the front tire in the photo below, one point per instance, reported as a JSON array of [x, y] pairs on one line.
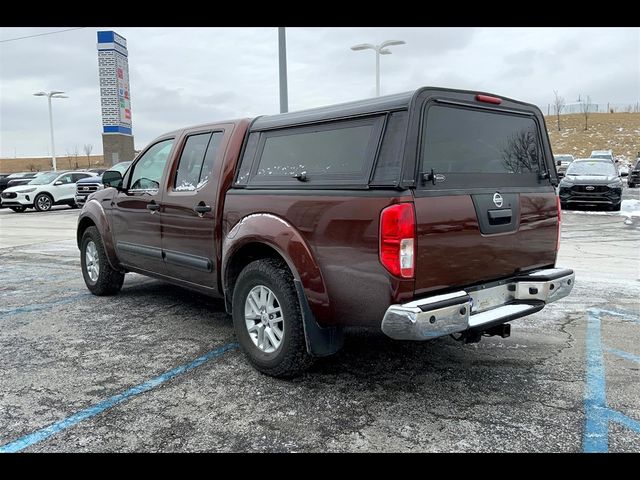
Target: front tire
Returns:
[[98, 275], [268, 321], [43, 202]]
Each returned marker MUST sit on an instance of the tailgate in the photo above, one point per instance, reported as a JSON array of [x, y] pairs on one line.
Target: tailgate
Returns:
[[485, 207]]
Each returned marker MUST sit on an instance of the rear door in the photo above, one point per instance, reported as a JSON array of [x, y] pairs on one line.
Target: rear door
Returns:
[[485, 206], [188, 207], [64, 187]]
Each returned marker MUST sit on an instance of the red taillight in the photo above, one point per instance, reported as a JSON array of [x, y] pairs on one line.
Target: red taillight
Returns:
[[559, 206], [488, 99], [397, 239]]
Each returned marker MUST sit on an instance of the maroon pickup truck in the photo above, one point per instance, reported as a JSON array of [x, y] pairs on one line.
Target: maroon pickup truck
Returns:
[[422, 214]]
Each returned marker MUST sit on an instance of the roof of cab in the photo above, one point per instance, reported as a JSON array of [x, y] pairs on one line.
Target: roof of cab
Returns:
[[398, 101]]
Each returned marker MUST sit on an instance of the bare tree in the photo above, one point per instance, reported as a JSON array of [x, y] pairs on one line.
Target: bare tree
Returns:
[[558, 106], [585, 107], [76, 153], [520, 154], [69, 158], [88, 147]]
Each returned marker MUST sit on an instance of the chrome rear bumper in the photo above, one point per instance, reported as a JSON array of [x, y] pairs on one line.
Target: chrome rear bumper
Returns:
[[478, 307]]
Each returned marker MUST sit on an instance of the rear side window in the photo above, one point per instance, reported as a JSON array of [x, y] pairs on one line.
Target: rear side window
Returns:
[[475, 147], [196, 161], [332, 153]]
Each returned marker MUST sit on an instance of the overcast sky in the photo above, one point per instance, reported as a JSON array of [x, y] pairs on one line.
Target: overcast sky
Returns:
[[186, 76]]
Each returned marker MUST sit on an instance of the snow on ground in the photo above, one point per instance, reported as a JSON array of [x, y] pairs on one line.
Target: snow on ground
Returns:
[[631, 210]]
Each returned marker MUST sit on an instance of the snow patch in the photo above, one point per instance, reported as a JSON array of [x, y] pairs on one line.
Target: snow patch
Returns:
[[630, 209]]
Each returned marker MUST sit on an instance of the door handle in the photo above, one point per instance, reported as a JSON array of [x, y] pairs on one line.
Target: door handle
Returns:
[[201, 208], [153, 206], [500, 217]]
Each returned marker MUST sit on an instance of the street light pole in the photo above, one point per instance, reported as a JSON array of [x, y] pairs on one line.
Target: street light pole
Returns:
[[380, 50], [50, 95], [282, 55], [377, 72]]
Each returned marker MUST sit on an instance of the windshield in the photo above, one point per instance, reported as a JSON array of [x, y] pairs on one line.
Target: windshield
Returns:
[[592, 168], [601, 155], [15, 175], [44, 179], [121, 167]]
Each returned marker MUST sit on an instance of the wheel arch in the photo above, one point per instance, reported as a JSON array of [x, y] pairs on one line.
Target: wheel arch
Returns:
[[93, 215], [272, 236]]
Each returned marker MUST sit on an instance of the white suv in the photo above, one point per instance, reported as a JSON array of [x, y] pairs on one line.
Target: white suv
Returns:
[[44, 191], [608, 154]]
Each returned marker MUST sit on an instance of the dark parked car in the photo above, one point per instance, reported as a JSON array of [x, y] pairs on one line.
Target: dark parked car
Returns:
[[591, 181], [87, 186], [24, 180], [4, 182], [420, 215], [634, 175]]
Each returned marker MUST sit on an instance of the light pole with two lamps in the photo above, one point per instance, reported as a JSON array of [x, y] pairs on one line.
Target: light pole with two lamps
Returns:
[[50, 95], [380, 50]]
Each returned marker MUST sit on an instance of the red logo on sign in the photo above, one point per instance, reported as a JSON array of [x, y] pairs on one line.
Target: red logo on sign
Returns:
[[120, 73], [127, 113]]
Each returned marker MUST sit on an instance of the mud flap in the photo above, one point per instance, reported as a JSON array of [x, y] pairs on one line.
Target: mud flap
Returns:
[[320, 341]]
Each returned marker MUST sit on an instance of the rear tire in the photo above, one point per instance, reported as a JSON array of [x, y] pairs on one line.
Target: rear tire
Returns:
[[18, 209], [43, 202], [98, 275], [265, 302]]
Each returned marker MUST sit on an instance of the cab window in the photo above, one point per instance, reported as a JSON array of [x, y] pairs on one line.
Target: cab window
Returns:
[[147, 172], [196, 161]]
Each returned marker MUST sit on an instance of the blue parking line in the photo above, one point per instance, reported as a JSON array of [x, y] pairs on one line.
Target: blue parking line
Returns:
[[596, 431], [42, 306], [625, 355], [44, 433], [623, 420], [634, 317], [598, 414]]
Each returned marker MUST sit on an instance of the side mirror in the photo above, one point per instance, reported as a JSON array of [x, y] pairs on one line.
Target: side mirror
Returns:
[[112, 178], [560, 174], [559, 162], [59, 182]]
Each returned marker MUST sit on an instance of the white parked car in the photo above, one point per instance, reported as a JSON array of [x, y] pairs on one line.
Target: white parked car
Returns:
[[608, 154], [44, 191]]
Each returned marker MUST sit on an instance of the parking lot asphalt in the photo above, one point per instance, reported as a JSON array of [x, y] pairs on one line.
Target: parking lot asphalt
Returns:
[[156, 367]]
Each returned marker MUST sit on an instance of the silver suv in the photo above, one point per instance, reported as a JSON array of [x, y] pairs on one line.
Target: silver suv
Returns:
[[608, 154]]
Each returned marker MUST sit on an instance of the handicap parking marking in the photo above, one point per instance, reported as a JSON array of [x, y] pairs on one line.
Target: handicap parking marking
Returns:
[[625, 355], [597, 412], [46, 432]]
